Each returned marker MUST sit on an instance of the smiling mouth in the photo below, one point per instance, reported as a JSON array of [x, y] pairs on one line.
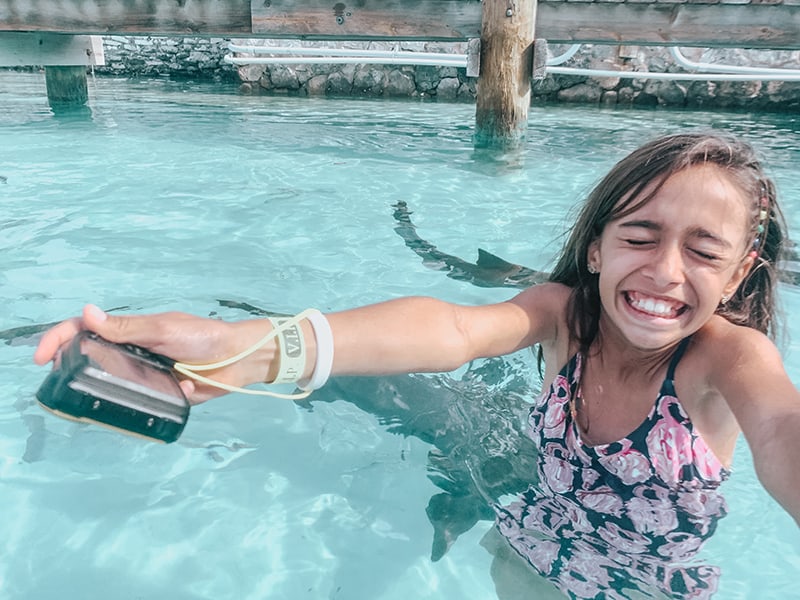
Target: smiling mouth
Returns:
[[655, 307]]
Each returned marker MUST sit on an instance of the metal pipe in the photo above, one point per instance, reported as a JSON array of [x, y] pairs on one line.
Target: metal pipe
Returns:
[[562, 58], [716, 68], [676, 76], [306, 51], [344, 60], [316, 56]]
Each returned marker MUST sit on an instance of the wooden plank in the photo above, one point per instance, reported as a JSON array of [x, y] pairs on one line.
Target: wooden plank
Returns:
[[165, 17], [645, 23], [717, 25], [746, 25], [45, 49], [368, 19]]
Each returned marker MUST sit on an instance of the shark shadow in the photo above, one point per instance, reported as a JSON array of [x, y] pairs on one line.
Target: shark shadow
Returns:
[[474, 425]]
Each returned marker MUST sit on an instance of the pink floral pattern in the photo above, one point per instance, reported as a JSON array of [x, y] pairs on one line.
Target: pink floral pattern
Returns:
[[622, 518]]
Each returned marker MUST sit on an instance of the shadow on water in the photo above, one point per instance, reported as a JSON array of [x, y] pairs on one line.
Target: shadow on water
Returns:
[[66, 112], [494, 160]]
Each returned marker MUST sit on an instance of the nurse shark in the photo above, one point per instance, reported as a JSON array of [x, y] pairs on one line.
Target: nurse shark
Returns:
[[492, 271], [474, 424], [488, 271]]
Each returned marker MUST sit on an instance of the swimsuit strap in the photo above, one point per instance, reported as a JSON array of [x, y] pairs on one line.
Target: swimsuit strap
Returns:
[[676, 359], [573, 366]]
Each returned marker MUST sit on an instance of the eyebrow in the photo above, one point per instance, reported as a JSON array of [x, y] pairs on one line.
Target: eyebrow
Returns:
[[700, 232]]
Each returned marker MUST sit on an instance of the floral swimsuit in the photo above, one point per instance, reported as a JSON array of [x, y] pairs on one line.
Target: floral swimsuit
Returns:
[[606, 520]]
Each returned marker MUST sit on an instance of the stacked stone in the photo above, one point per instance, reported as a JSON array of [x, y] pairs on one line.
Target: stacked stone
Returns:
[[204, 58], [612, 91], [148, 56], [440, 82]]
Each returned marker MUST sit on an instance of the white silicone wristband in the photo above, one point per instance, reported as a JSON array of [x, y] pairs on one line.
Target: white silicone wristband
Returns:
[[324, 362], [292, 348]]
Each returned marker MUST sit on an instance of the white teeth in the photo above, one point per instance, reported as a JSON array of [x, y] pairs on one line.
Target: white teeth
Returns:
[[653, 306], [662, 308]]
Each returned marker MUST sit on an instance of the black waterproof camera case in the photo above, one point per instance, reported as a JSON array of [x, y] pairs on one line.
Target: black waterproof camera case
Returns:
[[117, 385]]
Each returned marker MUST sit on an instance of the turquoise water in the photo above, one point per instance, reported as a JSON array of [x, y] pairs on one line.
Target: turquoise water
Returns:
[[170, 196]]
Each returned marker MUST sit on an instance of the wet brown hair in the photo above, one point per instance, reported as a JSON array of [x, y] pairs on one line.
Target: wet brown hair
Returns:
[[621, 192]]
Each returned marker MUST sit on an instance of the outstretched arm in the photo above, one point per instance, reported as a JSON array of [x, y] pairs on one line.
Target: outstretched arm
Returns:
[[404, 335], [767, 406]]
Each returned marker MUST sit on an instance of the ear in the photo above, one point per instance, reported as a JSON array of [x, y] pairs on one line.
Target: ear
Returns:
[[738, 276], [593, 255]]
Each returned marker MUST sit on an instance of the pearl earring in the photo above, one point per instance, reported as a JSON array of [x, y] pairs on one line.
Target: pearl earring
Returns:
[[592, 269]]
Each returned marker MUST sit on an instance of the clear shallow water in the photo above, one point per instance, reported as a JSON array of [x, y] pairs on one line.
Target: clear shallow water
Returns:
[[176, 196]]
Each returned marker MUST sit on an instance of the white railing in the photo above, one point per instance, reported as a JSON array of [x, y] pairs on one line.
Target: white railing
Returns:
[[323, 55]]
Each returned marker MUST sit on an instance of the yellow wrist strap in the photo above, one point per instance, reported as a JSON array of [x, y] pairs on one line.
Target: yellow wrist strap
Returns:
[[190, 371]]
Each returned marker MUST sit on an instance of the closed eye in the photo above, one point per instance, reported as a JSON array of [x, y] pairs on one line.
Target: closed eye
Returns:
[[638, 242], [705, 255]]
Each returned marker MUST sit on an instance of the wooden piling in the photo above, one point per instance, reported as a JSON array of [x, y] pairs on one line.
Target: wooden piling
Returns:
[[66, 86], [504, 85]]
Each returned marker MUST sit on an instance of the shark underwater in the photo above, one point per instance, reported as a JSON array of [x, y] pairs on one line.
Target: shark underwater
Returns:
[[492, 271], [488, 271], [474, 425]]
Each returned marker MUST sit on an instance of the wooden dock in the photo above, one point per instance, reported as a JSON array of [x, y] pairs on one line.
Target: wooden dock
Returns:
[[769, 24], [506, 28]]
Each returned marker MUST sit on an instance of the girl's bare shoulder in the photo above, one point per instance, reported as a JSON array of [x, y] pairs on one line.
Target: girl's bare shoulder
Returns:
[[546, 303], [546, 306], [545, 296], [722, 347], [726, 338]]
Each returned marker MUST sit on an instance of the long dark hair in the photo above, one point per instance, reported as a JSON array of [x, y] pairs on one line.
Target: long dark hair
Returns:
[[621, 192]]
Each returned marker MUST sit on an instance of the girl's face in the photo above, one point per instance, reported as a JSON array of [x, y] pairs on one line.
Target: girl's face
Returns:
[[665, 267]]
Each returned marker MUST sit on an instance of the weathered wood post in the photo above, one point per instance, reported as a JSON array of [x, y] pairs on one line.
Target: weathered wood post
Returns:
[[66, 85], [504, 85], [65, 58]]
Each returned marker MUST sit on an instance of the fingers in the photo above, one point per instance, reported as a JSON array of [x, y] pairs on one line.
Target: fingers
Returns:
[[147, 331], [180, 336], [115, 329], [93, 317], [54, 338], [188, 389]]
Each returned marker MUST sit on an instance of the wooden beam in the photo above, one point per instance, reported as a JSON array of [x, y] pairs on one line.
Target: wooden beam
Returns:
[[222, 18], [767, 24], [45, 49], [368, 19]]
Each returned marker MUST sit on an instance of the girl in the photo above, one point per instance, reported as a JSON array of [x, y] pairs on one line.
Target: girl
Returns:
[[654, 336]]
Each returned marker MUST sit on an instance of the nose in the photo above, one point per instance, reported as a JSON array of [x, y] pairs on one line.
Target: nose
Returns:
[[668, 266]]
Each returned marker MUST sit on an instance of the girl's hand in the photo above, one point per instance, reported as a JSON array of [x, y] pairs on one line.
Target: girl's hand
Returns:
[[179, 336]]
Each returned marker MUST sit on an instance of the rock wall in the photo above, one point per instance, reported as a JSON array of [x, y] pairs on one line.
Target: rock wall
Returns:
[[610, 91], [204, 58], [201, 58], [372, 80]]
